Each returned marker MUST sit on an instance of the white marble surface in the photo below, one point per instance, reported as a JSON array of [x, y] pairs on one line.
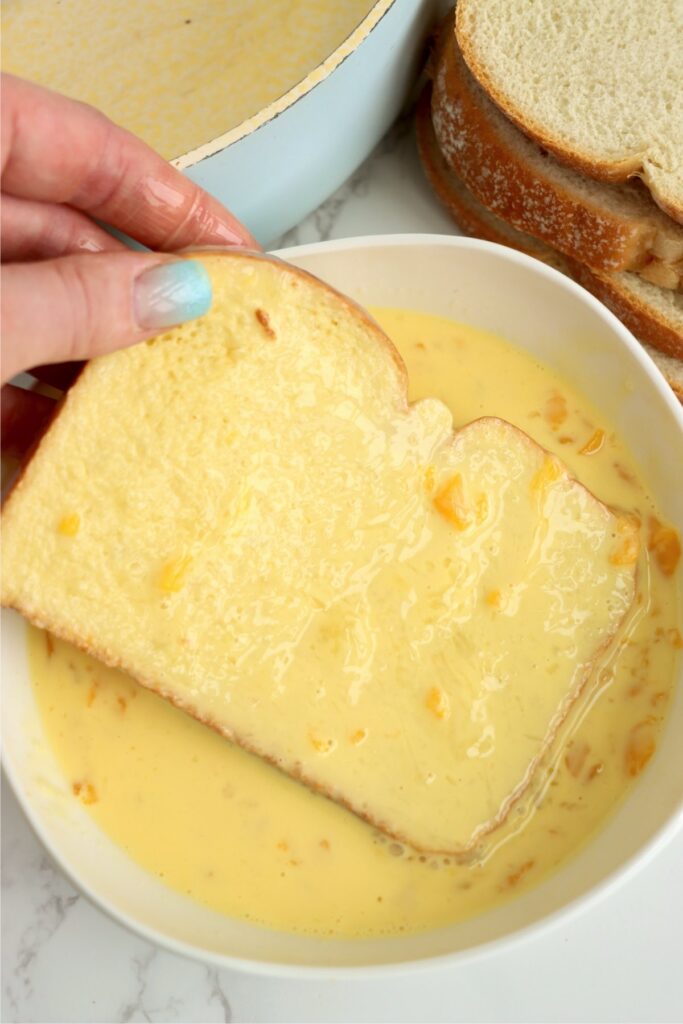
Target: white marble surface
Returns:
[[63, 960]]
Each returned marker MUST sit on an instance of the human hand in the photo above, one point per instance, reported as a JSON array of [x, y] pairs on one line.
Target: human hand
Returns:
[[70, 291]]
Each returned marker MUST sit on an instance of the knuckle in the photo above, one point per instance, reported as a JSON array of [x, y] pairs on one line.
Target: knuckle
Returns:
[[79, 314], [103, 183], [188, 228]]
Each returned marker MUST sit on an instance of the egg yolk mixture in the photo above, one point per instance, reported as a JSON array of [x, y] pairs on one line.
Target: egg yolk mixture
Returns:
[[219, 825], [178, 73]]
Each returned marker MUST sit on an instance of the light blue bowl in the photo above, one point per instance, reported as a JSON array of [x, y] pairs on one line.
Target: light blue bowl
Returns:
[[277, 166]]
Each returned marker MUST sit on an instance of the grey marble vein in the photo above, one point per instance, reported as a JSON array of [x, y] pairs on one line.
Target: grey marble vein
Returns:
[[215, 981], [52, 898]]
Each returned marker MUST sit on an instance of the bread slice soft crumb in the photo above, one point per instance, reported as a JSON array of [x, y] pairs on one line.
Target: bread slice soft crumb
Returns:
[[246, 515], [597, 83]]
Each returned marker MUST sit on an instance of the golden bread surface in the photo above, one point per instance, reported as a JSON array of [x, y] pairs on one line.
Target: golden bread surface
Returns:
[[247, 516]]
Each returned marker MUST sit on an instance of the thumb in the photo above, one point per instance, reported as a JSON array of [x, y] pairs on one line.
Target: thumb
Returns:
[[81, 306]]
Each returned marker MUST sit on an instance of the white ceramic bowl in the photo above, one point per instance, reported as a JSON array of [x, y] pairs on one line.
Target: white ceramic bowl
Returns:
[[280, 164], [550, 316]]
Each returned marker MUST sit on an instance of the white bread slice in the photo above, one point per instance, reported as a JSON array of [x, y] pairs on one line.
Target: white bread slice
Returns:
[[597, 83], [645, 309], [607, 226], [246, 515]]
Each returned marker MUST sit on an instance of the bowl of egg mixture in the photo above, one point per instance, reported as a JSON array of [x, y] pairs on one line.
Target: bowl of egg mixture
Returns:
[[267, 104], [208, 850]]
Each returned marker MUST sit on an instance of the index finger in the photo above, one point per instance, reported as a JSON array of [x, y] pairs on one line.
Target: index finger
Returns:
[[63, 151]]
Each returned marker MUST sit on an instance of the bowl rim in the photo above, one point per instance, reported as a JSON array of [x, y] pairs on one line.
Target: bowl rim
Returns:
[[316, 76], [577, 906]]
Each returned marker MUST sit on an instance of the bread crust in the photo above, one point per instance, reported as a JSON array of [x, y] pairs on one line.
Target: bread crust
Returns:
[[602, 170], [646, 322], [513, 178], [467, 211]]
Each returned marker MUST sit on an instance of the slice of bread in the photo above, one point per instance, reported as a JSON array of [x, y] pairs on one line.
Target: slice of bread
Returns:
[[597, 83], [246, 516], [607, 226], [653, 314]]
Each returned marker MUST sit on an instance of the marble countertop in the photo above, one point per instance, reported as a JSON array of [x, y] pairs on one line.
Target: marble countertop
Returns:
[[63, 960]]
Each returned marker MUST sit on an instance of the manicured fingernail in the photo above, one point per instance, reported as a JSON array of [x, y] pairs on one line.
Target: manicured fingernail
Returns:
[[172, 293]]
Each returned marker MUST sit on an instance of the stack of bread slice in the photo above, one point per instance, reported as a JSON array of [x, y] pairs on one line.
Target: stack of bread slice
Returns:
[[528, 170]]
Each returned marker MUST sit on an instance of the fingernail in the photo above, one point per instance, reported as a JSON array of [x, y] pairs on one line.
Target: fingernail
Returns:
[[172, 293]]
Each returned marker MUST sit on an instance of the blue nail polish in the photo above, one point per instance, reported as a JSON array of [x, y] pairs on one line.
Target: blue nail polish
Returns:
[[172, 293]]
